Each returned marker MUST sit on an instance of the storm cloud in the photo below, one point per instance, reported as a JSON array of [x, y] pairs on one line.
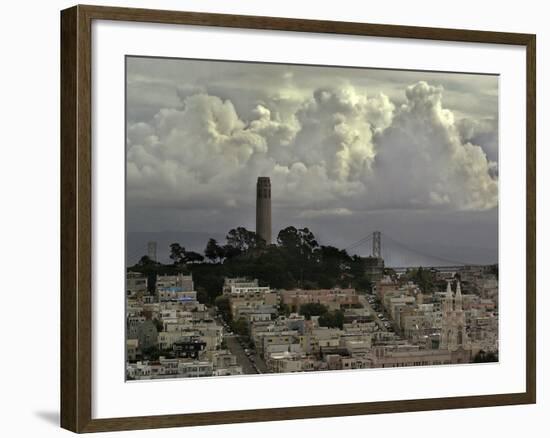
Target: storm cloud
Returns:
[[334, 146]]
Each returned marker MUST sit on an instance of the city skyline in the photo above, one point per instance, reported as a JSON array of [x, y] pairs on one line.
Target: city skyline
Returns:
[[324, 219], [348, 151]]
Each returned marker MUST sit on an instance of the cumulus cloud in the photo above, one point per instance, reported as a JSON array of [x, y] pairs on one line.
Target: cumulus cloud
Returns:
[[423, 161], [331, 152], [337, 130], [182, 151], [481, 131]]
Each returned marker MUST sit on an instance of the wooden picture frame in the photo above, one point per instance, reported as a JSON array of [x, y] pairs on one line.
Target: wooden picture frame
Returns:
[[76, 217]]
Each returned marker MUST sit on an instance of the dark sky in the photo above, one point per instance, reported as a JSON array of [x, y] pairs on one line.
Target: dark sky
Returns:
[[349, 151]]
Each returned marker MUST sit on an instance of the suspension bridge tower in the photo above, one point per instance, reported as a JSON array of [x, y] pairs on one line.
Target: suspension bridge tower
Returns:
[[377, 244], [374, 265]]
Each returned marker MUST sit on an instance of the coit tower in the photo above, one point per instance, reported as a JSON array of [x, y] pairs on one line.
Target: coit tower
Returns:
[[263, 208]]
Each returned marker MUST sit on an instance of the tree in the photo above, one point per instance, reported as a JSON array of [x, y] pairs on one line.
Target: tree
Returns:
[[158, 324], [149, 268], [213, 251], [202, 296], [332, 319], [363, 284], [230, 252], [145, 261], [244, 240], [209, 278], [151, 353], [483, 357], [333, 260], [151, 282], [240, 327], [284, 309], [424, 278], [298, 241], [193, 257], [334, 266], [325, 281], [177, 254], [299, 249], [224, 307], [312, 309]]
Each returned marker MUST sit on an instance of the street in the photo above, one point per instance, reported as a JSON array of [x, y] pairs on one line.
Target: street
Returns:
[[236, 349], [366, 305], [258, 367]]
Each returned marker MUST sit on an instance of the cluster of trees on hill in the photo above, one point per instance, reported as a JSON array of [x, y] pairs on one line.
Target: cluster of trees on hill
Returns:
[[296, 260], [426, 279], [327, 318]]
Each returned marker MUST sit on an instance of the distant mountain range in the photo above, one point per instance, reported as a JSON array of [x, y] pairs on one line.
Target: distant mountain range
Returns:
[[136, 243]]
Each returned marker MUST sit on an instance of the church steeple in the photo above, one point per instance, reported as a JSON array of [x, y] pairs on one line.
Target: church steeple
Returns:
[[458, 297], [448, 300], [453, 324]]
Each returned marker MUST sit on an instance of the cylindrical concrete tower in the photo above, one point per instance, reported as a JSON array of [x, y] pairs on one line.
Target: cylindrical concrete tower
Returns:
[[263, 208]]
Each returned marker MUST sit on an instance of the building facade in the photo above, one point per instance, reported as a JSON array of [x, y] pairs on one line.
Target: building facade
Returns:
[[453, 323]]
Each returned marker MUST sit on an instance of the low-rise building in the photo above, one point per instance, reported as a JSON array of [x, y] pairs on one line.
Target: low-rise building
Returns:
[[238, 282], [410, 355], [136, 284], [184, 282], [193, 368], [286, 362], [131, 349], [333, 299], [176, 293]]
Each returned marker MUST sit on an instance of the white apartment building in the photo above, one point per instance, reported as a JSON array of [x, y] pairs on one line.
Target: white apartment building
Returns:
[[239, 282]]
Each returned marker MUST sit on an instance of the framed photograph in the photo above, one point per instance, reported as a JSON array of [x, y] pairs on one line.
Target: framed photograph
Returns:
[[270, 218]]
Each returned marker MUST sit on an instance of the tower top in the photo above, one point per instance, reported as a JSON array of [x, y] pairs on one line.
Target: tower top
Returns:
[[264, 180], [449, 290], [458, 290]]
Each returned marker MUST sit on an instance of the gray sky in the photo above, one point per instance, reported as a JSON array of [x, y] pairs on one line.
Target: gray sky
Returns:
[[348, 150]]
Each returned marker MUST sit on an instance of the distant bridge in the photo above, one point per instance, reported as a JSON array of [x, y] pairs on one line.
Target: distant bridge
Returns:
[[449, 269], [403, 256], [397, 255]]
